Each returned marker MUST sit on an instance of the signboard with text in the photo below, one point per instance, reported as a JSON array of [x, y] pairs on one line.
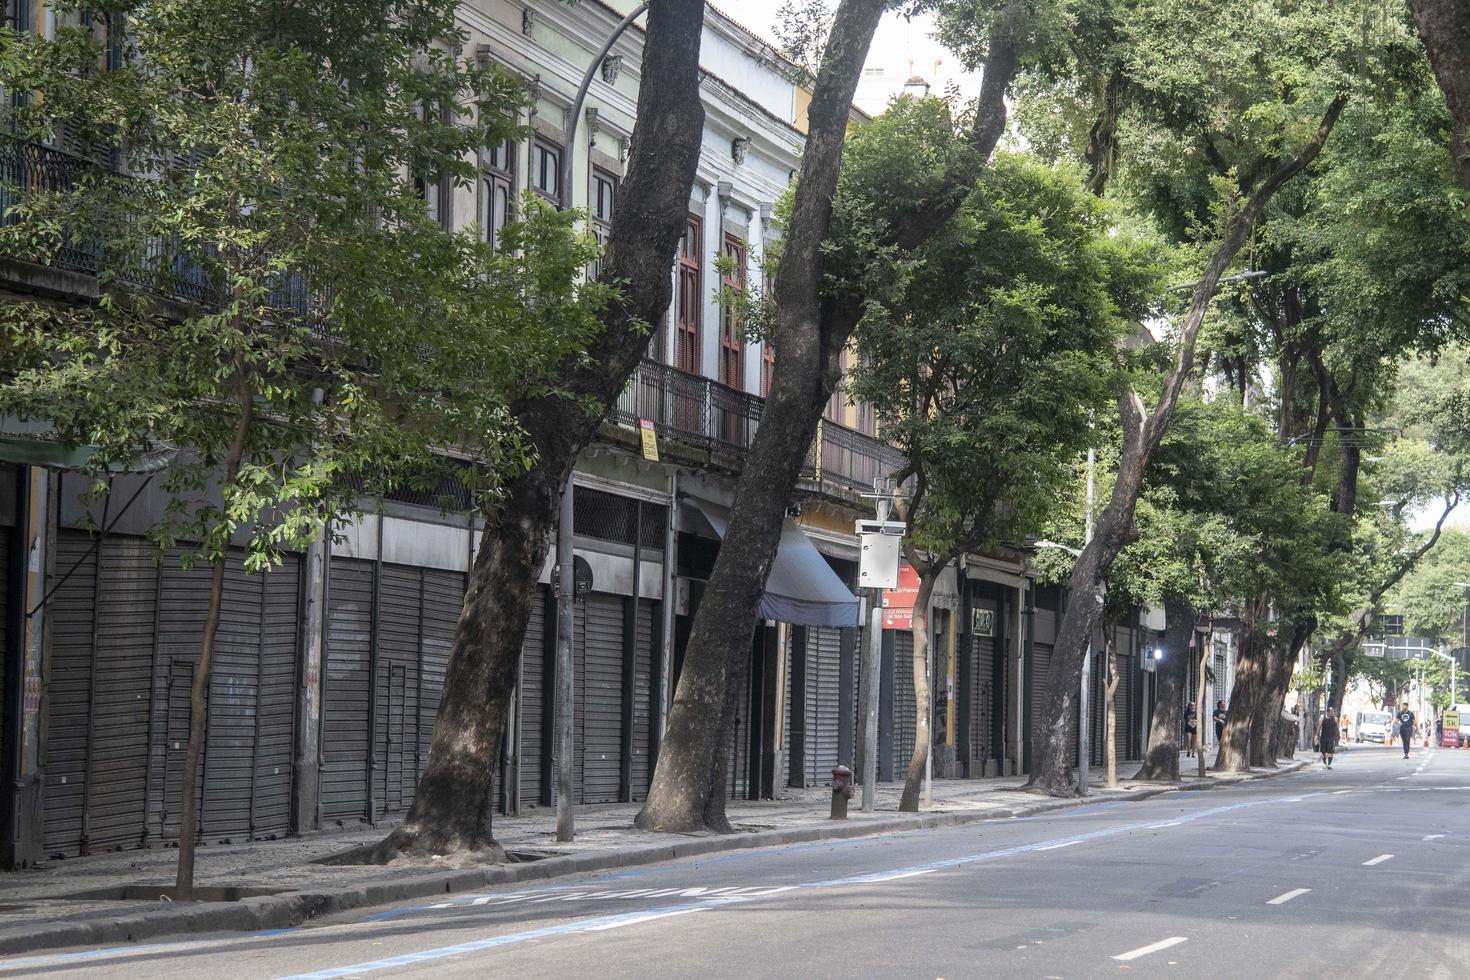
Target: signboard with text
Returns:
[[898, 604], [1451, 733]]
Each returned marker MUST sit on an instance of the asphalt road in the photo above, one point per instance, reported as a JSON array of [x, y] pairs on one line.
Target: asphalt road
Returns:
[[1357, 872]]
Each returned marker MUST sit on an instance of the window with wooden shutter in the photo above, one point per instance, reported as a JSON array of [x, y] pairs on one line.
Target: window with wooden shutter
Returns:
[[691, 302], [732, 333]]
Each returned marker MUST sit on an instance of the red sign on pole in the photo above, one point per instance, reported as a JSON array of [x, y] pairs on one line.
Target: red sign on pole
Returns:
[[898, 604]]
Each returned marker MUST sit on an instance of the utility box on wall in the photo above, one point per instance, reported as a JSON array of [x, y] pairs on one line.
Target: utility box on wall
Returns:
[[879, 556]]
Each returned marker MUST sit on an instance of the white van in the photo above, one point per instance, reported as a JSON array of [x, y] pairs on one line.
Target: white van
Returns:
[[1372, 726]]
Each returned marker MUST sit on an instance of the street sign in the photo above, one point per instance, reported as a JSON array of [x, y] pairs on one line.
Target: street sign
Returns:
[[1450, 734], [898, 604], [581, 579]]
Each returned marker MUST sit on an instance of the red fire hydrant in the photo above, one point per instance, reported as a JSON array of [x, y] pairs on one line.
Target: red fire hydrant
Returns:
[[841, 791]]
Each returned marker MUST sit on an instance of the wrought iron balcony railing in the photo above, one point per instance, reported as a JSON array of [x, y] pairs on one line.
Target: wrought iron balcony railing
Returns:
[[702, 413]]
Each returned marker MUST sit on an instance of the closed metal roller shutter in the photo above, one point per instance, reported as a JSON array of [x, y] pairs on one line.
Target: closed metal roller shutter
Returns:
[[824, 702], [69, 697], [982, 701], [904, 710], [118, 787], [600, 697], [183, 599], [737, 770], [345, 684], [395, 728], [1040, 666], [1123, 707], [275, 737], [643, 667], [1097, 697], [443, 599], [234, 705], [534, 733]]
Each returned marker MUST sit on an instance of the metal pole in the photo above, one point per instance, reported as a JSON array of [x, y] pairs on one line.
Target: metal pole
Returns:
[[872, 657], [1084, 720], [565, 609]]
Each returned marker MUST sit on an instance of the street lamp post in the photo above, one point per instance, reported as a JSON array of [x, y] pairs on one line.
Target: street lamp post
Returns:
[[565, 556]]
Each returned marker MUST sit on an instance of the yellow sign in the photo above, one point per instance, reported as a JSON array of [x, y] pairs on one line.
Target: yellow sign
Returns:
[[1452, 720], [649, 439]]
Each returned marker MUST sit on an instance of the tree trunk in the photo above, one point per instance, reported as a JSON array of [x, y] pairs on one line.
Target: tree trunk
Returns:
[[452, 805], [1142, 432], [687, 792], [1444, 28], [1247, 702], [913, 783], [1110, 717], [1161, 760], [199, 690], [1338, 690]]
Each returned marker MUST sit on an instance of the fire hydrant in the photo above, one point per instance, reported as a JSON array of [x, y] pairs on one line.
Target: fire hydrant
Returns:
[[841, 791]]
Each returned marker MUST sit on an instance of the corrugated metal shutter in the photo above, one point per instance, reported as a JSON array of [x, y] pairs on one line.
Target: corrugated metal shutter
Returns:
[[1123, 706], [737, 771], [643, 667], [600, 689], [443, 600], [982, 700], [345, 685], [275, 740], [1097, 698], [69, 697], [533, 703], [824, 702], [1040, 667], [177, 688], [395, 749], [904, 710], [234, 691]]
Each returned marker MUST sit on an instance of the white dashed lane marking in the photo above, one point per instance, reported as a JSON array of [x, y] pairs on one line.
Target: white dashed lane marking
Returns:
[[1134, 954], [1283, 899], [1378, 860]]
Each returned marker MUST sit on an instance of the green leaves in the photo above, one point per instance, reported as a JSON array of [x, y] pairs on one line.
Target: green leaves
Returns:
[[255, 199], [987, 353]]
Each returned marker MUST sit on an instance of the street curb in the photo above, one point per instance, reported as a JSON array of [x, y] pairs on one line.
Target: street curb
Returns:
[[291, 909]]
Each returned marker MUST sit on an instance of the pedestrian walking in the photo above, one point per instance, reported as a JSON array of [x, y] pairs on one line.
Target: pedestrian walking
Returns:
[[1405, 718], [1191, 729], [1327, 739], [1219, 716], [1438, 730]]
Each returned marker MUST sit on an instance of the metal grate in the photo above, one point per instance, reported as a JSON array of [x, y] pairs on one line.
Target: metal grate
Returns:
[[610, 517]]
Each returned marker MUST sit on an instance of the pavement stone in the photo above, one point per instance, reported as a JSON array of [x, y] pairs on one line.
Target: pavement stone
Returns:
[[34, 913]]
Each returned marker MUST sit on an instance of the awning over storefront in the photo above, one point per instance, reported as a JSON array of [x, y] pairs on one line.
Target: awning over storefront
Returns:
[[802, 588]]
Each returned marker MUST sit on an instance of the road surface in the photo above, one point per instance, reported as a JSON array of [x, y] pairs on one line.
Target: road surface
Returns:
[[1357, 872]]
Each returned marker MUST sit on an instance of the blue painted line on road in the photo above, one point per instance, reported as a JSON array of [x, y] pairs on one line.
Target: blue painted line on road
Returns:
[[872, 877], [491, 942]]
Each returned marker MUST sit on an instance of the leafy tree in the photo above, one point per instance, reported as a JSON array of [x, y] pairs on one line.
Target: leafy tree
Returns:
[[274, 299], [1429, 599], [986, 361], [817, 307]]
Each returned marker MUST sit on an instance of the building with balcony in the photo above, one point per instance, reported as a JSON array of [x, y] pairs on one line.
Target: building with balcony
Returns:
[[328, 670]]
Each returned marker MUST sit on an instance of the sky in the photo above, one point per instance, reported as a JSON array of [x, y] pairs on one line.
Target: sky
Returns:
[[900, 49]]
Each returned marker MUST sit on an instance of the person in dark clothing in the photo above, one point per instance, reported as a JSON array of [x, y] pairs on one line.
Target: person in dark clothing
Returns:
[[1438, 730], [1219, 717], [1405, 719], [1327, 738], [1191, 729]]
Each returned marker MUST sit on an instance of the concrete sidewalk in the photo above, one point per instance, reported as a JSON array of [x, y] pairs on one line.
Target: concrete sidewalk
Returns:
[[283, 885]]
